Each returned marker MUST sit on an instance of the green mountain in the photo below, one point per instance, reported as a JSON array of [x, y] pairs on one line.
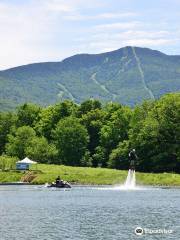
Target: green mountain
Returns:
[[128, 75]]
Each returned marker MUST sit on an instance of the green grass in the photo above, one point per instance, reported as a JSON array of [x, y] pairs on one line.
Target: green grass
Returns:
[[11, 176], [80, 175], [160, 179]]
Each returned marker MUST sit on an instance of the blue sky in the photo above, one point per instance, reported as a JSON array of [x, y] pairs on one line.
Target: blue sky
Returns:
[[51, 30]]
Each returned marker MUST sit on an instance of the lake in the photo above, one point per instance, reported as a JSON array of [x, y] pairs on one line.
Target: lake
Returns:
[[94, 213]]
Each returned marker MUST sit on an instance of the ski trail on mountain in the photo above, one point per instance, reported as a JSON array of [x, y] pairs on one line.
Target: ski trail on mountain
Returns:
[[93, 77], [103, 87], [125, 65], [66, 90], [142, 74]]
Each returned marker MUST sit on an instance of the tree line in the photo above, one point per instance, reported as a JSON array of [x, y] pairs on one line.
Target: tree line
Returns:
[[96, 135]]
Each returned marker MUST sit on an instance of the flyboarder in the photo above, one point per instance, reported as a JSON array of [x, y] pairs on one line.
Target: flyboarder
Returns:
[[132, 158]]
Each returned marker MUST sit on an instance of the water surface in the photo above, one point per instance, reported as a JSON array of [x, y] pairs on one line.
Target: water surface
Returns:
[[87, 213]]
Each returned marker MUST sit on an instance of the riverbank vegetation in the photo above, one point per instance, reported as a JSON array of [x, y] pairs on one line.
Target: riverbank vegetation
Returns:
[[46, 173], [95, 135]]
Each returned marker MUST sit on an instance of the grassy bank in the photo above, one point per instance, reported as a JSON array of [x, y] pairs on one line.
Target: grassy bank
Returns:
[[79, 175], [10, 176]]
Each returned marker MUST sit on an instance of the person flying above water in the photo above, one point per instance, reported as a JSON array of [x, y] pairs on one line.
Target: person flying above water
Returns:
[[132, 157]]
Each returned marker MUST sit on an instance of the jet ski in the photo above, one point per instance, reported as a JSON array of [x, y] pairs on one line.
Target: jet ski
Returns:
[[60, 184]]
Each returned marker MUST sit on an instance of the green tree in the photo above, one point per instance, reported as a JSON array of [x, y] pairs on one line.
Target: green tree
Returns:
[[87, 106], [115, 130], [157, 138], [88, 134], [71, 140], [139, 114], [7, 121], [27, 114], [51, 115], [110, 108], [40, 150], [99, 157], [119, 156], [46, 122], [93, 121], [19, 141], [86, 160]]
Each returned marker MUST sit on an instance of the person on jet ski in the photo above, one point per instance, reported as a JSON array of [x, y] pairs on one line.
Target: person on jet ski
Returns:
[[132, 157], [58, 180]]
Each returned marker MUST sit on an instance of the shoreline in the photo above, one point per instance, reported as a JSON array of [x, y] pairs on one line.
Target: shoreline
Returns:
[[84, 176], [89, 185]]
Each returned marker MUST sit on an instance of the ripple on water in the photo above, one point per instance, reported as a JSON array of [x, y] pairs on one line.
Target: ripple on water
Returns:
[[83, 213]]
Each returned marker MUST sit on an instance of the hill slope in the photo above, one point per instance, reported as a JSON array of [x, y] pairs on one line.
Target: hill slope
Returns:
[[128, 75]]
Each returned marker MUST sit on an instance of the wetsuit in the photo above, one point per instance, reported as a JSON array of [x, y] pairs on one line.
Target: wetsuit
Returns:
[[132, 158]]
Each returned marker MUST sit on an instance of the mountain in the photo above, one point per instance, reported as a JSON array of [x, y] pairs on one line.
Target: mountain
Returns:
[[128, 75]]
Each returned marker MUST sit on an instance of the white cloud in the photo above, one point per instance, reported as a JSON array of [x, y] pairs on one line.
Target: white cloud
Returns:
[[70, 6], [59, 6], [149, 42], [144, 33], [43, 30], [117, 26], [26, 34], [35, 31], [114, 39], [102, 16], [110, 15]]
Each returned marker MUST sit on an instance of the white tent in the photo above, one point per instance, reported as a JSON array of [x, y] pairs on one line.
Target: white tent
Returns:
[[27, 160]]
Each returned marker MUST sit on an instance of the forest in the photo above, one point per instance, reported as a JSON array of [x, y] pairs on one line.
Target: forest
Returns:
[[93, 134]]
